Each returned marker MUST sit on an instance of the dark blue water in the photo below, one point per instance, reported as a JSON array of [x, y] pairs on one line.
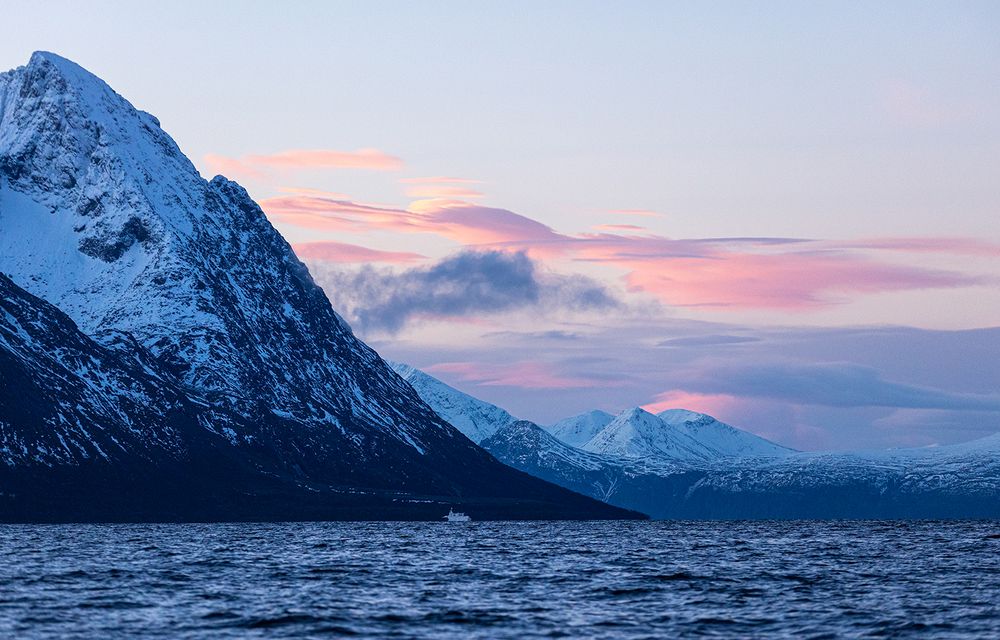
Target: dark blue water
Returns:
[[501, 580]]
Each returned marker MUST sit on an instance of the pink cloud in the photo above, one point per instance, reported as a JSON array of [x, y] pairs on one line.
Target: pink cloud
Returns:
[[461, 221], [255, 165], [523, 374], [792, 281], [222, 165], [472, 224], [341, 252], [722, 273], [715, 405], [332, 214]]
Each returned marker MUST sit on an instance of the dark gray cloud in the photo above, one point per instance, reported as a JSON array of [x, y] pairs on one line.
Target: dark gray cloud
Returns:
[[465, 284]]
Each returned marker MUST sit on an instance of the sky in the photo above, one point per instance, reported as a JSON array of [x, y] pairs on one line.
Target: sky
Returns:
[[781, 213]]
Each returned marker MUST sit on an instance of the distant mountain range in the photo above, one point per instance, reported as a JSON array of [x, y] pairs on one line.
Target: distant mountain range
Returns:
[[683, 464], [165, 355]]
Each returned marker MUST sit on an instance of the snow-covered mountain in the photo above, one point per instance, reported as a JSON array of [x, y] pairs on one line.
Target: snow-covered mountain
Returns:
[[636, 433], [630, 483], [65, 399], [578, 430], [953, 481], [476, 419], [674, 434], [103, 217], [673, 437], [718, 437], [517, 443], [682, 464]]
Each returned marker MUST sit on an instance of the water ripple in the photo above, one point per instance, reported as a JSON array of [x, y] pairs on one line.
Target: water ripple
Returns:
[[502, 580]]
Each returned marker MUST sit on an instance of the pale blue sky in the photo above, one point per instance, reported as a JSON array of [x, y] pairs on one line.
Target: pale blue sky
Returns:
[[833, 119], [871, 128]]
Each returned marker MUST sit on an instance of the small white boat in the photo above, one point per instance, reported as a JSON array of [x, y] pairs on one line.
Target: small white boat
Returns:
[[456, 516]]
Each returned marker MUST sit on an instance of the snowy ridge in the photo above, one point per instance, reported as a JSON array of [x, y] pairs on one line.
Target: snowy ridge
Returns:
[[720, 438], [525, 445], [578, 430], [674, 434], [636, 433], [476, 419], [957, 469], [683, 464], [528, 447]]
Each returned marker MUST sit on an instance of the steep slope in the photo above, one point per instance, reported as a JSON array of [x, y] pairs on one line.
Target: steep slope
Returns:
[[578, 430], [103, 216], [100, 431], [476, 419], [633, 484], [64, 399]]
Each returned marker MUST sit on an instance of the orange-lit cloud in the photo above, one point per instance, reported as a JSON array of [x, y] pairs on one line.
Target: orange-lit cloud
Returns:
[[340, 252]]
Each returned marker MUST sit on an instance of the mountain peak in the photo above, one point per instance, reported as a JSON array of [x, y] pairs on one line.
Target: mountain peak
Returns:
[[577, 430], [675, 416], [64, 66], [724, 439], [635, 413], [50, 77], [636, 433]]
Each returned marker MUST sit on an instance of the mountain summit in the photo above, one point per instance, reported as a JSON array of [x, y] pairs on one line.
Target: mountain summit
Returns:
[[103, 218]]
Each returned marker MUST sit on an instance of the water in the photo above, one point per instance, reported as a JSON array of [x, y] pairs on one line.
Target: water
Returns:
[[501, 580]]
